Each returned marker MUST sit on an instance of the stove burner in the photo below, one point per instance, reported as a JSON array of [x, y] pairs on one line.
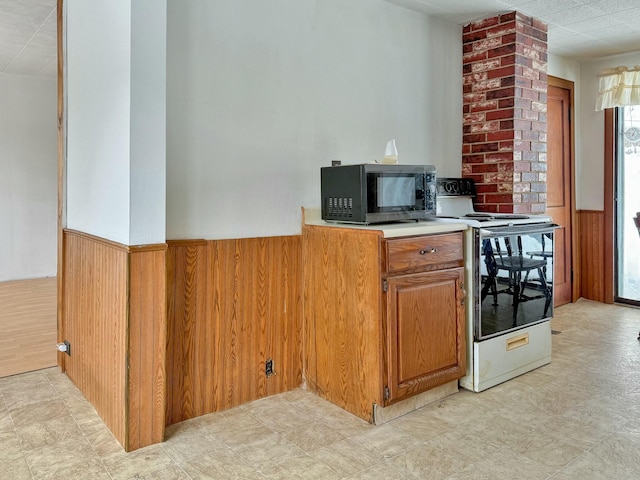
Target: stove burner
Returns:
[[479, 215], [496, 216], [455, 200], [509, 216]]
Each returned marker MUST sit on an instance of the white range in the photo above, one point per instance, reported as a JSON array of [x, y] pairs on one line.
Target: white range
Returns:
[[509, 278]]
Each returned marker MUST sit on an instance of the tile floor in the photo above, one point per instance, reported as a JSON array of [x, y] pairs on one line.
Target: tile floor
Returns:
[[577, 418]]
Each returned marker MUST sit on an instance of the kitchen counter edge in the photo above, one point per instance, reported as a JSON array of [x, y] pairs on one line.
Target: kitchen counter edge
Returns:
[[311, 216]]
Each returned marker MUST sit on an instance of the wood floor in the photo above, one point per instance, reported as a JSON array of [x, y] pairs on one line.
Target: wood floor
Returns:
[[28, 325]]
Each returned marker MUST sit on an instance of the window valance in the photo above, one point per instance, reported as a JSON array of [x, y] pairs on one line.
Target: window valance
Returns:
[[619, 87]]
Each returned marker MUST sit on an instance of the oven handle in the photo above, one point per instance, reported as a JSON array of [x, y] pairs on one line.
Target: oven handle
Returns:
[[518, 230]]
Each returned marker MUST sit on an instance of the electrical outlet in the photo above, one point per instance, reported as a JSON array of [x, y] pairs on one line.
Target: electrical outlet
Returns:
[[268, 367], [64, 347]]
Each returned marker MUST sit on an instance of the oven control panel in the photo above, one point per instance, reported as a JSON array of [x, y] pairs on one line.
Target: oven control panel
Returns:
[[456, 187]]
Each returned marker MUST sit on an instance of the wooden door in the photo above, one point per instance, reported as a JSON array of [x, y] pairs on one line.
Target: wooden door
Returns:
[[560, 184], [426, 332]]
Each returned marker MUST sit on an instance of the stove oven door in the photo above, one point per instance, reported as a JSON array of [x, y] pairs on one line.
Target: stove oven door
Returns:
[[514, 278]]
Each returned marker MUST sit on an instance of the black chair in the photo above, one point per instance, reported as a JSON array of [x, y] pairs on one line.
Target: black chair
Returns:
[[511, 259], [543, 253]]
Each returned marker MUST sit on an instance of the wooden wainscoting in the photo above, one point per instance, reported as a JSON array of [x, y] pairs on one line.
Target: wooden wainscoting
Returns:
[[231, 305], [28, 325], [95, 324], [147, 345], [592, 257], [114, 318]]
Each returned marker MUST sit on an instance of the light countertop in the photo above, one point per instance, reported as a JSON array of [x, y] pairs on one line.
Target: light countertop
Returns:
[[312, 216]]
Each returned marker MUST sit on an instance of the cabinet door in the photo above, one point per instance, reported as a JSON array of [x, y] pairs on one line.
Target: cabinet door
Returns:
[[425, 332]]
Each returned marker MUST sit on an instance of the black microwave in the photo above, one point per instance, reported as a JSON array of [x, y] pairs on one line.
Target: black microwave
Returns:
[[377, 193]]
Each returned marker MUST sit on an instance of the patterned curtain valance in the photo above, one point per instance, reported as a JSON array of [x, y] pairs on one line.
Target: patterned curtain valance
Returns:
[[619, 87]]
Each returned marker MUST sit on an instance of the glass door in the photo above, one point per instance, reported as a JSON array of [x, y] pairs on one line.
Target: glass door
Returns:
[[516, 261], [627, 205]]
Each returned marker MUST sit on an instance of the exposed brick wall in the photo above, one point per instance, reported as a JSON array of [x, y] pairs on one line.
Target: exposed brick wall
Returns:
[[505, 120]]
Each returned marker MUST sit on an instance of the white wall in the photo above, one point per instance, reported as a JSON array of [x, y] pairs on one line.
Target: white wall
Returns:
[[148, 121], [568, 69], [116, 122], [592, 130], [562, 67], [260, 95], [98, 86], [28, 177]]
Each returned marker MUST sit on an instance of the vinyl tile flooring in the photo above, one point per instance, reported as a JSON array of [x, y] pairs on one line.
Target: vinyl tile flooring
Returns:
[[577, 418]]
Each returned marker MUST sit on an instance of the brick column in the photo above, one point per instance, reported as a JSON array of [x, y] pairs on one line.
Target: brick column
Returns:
[[505, 120]]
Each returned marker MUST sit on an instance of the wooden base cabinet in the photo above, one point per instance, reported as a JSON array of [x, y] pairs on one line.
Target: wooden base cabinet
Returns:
[[384, 317], [425, 332]]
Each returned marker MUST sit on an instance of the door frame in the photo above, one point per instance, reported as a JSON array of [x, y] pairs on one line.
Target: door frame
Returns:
[[609, 203], [61, 176], [575, 244]]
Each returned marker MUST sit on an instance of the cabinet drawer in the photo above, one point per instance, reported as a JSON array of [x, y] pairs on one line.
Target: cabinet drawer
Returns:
[[425, 251]]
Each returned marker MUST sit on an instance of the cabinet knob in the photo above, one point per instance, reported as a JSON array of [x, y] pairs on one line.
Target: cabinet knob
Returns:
[[428, 250]]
